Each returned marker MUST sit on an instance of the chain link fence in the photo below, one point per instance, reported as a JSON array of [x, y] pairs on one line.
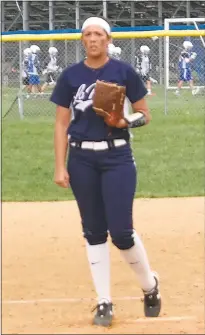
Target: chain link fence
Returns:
[[17, 102]]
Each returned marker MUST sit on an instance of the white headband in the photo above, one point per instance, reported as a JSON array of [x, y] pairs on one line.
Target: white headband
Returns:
[[97, 21]]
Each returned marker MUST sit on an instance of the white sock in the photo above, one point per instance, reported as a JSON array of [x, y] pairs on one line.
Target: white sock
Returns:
[[137, 258], [99, 260], [149, 91]]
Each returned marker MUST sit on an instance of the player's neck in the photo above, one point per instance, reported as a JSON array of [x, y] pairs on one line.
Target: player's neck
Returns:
[[96, 62]]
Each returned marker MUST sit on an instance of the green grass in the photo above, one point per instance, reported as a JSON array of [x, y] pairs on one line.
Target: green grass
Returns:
[[169, 151], [34, 108], [8, 96]]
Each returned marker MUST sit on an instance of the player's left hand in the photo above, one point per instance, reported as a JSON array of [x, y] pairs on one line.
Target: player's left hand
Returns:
[[193, 55]]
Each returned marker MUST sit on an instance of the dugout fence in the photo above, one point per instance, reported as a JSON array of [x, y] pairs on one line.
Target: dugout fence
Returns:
[[165, 47]]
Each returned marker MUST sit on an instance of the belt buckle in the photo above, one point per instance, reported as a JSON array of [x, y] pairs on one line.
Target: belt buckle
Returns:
[[78, 145]]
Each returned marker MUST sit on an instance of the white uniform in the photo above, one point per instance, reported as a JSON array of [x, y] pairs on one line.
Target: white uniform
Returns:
[[143, 66], [51, 69]]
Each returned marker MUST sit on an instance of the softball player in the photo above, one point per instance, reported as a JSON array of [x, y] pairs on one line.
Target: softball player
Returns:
[[100, 168], [185, 59]]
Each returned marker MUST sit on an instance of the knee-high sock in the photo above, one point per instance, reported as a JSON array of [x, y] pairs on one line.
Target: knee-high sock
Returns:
[[137, 258], [99, 260]]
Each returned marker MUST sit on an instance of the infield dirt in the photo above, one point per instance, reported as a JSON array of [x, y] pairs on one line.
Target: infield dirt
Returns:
[[46, 283]]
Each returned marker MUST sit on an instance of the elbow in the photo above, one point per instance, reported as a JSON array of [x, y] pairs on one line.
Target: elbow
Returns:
[[61, 127], [148, 118]]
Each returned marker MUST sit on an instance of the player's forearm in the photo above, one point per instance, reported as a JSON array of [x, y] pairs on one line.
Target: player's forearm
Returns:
[[63, 116], [146, 114], [60, 144], [141, 115]]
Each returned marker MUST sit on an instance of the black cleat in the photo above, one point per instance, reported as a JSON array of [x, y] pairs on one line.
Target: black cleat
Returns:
[[152, 301], [104, 314]]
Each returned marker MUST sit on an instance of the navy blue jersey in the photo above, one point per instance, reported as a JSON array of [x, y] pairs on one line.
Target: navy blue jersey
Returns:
[[75, 89]]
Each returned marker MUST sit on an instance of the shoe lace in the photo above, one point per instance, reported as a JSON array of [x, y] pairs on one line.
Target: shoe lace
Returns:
[[151, 298], [94, 308], [101, 308]]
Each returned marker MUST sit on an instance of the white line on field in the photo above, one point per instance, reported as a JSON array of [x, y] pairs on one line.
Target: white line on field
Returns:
[[77, 300], [60, 300], [163, 319], [153, 320]]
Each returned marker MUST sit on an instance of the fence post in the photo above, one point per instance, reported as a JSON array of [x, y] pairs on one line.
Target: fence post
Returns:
[[20, 95], [77, 26], [165, 78]]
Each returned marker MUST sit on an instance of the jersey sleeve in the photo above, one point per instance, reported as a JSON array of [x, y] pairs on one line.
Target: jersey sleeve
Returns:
[[62, 94], [135, 89]]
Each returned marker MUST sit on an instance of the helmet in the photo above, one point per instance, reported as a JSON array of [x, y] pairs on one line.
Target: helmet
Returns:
[[53, 51], [187, 45], [27, 52], [111, 49], [144, 49], [118, 50], [34, 48]]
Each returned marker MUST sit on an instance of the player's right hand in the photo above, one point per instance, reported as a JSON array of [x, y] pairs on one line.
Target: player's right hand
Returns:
[[122, 123], [61, 177]]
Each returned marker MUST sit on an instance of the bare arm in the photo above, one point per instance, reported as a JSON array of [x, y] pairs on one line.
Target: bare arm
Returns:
[[63, 117]]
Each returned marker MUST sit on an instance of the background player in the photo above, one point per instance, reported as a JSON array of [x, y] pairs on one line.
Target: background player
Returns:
[[114, 51], [34, 69], [143, 67], [25, 76], [100, 167], [184, 65], [51, 68]]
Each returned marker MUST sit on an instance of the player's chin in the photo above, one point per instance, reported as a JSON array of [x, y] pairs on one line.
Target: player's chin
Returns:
[[94, 53]]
